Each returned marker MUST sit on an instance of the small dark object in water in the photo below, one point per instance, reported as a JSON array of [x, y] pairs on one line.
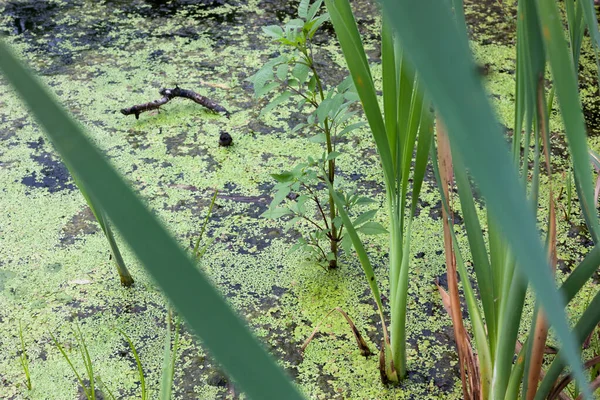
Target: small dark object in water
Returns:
[[168, 94], [292, 196], [483, 70], [225, 139]]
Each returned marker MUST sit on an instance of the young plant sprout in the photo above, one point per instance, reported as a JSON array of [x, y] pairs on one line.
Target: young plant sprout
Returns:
[[24, 359]]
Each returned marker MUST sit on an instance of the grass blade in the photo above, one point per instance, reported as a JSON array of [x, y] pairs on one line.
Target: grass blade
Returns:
[[189, 291], [447, 70], [138, 362], [566, 86]]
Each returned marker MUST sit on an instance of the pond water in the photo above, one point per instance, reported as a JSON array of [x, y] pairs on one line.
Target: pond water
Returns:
[[55, 271]]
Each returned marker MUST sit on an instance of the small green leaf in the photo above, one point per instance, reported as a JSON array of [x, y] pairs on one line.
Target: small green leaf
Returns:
[[314, 9], [323, 109], [296, 247], [337, 222], [333, 155], [276, 213], [275, 102], [283, 177], [351, 127], [330, 256], [346, 244], [372, 228], [364, 200], [312, 84], [273, 31], [298, 127], [295, 24], [300, 71], [280, 195], [265, 89], [317, 23], [292, 223], [351, 96], [282, 70], [318, 138], [364, 217], [303, 9], [336, 104], [346, 84]]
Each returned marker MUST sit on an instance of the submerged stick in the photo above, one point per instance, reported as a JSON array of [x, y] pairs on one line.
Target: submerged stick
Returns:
[[168, 94]]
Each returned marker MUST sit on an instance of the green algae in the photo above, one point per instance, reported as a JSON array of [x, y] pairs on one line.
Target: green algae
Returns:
[[54, 272]]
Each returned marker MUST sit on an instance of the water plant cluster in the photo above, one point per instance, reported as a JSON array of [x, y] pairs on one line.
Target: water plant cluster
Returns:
[[426, 110]]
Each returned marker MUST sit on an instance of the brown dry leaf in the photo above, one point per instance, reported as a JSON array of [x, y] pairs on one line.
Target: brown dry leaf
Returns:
[[541, 327], [362, 345]]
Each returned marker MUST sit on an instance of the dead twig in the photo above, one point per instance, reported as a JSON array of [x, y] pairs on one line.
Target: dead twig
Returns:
[[168, 94]]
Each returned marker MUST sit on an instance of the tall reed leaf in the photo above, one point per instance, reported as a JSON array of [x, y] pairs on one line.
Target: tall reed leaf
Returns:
[[442, 57], [405, 129], [207, 313]]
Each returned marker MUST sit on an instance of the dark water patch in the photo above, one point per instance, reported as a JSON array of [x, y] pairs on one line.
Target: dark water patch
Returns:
[[31, 17], [185, 144], [80, 312], [54, 267], [5, 276], [255, 205], [54, 174], [479, 16], [168, 8], [281, 10], [137, 139], [82, 223]]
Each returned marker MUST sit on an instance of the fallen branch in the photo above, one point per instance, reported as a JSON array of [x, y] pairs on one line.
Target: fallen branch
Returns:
[[168, 94]]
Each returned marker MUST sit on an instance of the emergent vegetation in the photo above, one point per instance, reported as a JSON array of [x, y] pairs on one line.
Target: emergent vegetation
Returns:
[[420, 79]]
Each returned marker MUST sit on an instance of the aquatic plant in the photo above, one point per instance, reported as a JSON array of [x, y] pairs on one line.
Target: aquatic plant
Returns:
[[198, 252], [24, 358], [89, 389], [169, 358], [502, 289], [100, 215], [294, 72], [188, 290], [140, 368], [404, 127], [475, 136]]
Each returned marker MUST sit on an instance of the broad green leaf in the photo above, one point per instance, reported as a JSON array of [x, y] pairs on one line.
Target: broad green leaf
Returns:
[[300, 71], [208, 315]]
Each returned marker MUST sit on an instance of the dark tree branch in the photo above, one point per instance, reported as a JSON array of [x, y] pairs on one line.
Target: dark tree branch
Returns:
[[168, 94]]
